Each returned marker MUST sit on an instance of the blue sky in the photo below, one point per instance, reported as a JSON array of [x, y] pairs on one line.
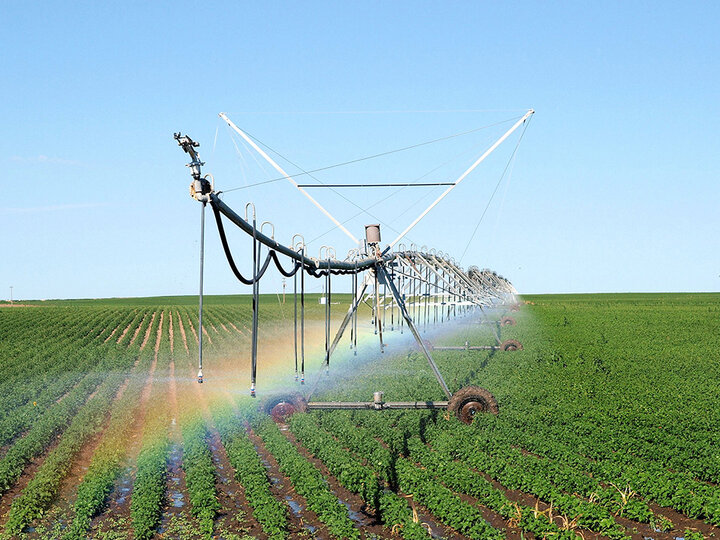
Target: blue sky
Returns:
[[613, 187]]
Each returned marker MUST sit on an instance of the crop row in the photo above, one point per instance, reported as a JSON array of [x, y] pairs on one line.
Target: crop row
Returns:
[[199, 473], [441, 501], [42, 488], [308, 481], [151, 467], [393, 510], [637, 441], [462, 479], [252, 475], [106, 463], [44, 396], [40, 367], [52, 423], [515, 472], [676, 490], [560, 474]]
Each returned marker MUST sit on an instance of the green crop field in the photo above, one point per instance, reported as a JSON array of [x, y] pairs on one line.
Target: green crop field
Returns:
[[607, 426]]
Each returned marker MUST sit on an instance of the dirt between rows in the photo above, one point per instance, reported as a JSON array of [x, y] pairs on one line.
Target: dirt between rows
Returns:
[[137, 330], [22, 482], [437, 528], [182, 331], [301, 520], [641, 531], [365, 517], [117, 507], [235, 512]]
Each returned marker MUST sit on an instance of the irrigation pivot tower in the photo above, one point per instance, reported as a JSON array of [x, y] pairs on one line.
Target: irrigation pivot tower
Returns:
[[414, 287]]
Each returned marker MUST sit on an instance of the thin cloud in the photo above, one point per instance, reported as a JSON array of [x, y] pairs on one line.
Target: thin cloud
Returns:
[[51, 208], [46, 159]]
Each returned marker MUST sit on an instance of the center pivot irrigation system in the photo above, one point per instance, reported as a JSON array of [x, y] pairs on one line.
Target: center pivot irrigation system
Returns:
[[410, 286]]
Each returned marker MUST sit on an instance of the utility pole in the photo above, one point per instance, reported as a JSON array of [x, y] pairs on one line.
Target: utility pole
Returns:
[[283, 282], [11, 300]]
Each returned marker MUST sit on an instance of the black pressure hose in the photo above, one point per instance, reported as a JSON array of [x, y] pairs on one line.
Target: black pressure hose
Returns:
[[272, 255]]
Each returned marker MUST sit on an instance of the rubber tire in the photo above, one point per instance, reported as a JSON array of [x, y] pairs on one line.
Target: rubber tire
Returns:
[[508, 321], [511, 345], [467, 402], [280, 407]]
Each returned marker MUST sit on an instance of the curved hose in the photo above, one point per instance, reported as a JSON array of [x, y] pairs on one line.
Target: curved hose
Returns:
[[272, 255]]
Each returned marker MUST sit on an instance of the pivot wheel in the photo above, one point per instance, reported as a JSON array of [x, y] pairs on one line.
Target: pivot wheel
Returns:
[[282, 407], [470, 401], [507, 321], [511, 345]]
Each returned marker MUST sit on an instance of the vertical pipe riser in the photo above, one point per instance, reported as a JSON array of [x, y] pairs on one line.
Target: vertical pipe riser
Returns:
[[200, 307]]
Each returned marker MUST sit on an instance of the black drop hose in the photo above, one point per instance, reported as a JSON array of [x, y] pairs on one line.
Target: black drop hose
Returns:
[[272, 255]]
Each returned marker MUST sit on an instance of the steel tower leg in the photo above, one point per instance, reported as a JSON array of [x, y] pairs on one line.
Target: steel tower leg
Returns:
[[414, 331]]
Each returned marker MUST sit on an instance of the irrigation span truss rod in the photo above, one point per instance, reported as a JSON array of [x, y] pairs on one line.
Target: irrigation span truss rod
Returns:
[[286, 175], [463, 176]]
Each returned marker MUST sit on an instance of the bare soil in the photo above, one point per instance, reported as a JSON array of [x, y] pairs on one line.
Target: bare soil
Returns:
[[137, 330], [192, 328], [171, 334], [117, 510], [182, 331], [149, 328], [127, 328], [365, 517], [301, 519], [235, 513]]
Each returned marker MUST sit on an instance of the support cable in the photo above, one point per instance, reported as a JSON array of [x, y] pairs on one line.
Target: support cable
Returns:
[[357, 160], [502, 176]]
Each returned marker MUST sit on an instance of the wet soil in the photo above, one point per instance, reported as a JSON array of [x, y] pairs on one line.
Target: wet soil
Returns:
[[22, 482], [235, 513], [301, 520], [117, 510], [364, 517]]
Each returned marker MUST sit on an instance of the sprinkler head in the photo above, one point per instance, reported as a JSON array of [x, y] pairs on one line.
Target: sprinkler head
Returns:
[[200, 377], [252, 390]]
